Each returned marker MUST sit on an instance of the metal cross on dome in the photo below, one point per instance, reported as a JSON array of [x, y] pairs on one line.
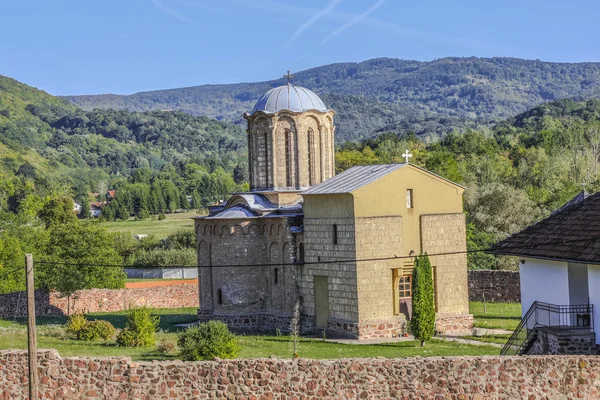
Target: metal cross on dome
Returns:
[[406, 155], [289, 76]]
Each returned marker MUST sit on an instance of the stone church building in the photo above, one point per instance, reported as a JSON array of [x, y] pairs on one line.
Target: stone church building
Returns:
[[342, 247]]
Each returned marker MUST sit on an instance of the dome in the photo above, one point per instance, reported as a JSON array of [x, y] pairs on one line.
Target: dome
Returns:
[[289, 97]]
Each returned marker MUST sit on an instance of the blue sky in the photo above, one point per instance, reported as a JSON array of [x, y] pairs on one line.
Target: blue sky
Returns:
[[127, 46]]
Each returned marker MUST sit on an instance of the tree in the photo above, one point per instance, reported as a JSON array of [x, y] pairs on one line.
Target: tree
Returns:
[[77, 252], [240, 173], [58, 211], [423, 304], [85, 210]]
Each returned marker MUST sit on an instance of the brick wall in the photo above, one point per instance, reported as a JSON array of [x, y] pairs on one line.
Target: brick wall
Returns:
[[530, 377], [97, 300], [499, 286]]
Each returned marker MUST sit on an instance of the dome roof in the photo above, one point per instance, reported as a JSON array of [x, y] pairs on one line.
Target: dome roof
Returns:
[[289, 97]]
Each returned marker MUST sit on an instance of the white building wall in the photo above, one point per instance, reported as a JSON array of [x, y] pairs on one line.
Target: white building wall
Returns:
[[578, 284], [544, 280], [594, 293]]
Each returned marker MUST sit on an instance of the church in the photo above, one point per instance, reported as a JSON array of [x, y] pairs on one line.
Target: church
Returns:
[[342, 247]]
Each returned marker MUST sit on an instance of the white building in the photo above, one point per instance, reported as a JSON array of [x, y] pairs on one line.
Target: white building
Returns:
[[560, 269]]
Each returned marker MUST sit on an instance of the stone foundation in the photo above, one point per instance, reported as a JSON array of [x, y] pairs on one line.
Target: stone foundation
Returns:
[[382, 329], [521, 377], [451, 323], [548, 341], [258, 322]]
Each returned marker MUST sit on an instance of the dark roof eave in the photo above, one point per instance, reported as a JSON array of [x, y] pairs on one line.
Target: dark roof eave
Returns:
[[538, 257]]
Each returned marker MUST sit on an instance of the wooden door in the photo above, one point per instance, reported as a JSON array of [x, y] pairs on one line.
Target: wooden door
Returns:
[[321, 301]]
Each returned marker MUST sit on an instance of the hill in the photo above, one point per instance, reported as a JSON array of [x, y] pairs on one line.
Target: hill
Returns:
[[385, 94], [49, 147]]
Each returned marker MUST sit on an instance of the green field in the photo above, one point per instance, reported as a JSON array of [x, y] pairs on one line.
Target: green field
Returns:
[[171, 224], [496, 315], [51, 336]]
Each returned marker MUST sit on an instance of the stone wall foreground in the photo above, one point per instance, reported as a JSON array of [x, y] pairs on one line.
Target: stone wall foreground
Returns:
[[496, 285], [100, 300], [524, 377]]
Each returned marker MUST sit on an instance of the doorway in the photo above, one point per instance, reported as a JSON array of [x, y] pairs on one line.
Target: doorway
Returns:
[[321, 301]]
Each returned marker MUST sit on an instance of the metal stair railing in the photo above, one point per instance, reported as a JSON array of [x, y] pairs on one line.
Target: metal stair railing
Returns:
[[556, 317], [520, 335]]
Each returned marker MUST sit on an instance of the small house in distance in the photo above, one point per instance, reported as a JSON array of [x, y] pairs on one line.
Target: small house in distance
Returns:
[[560, 280]]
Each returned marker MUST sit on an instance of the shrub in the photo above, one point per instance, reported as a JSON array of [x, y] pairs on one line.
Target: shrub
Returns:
[[167, 347], [140, 329], [164, 258], [97, 330], [182, 239], [161, 217], [422, 324], [75, 323], [207, 341]]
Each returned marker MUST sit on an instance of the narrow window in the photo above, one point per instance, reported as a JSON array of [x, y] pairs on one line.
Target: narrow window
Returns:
[[301, 252], [310, 139], [276, 276], [219, 296], [288, 158], [409, 198], [335, 234]]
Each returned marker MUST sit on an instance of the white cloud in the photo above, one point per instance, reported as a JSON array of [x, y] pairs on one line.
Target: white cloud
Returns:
[[161, 5], [356, 19], [322, 13]]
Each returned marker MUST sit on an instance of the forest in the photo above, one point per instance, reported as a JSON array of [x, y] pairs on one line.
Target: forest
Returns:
[[51, 154], [384, 94]]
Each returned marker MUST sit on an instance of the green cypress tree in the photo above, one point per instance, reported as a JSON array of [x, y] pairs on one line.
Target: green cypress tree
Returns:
[[423, 304]]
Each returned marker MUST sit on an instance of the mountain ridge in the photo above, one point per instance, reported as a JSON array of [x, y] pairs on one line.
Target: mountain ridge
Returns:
[[401, 95]]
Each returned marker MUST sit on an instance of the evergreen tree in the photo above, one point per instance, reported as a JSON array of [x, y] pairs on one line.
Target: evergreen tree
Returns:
[[183, 201], [196, 200], [85, 209], [423, 306]]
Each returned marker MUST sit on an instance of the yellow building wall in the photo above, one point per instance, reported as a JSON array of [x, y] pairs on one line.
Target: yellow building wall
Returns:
[[380, 225], [387, 197]]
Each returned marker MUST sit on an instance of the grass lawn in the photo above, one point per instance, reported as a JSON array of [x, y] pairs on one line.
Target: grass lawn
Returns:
[[497, 315], [51, 335], [171, 224], [496, 338]]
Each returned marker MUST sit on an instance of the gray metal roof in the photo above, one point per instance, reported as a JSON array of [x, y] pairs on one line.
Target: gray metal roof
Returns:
[[234, 213], [289, 97], [353, 178]]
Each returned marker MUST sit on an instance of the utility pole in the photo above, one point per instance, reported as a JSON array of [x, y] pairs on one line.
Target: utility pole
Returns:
[[31, 339]]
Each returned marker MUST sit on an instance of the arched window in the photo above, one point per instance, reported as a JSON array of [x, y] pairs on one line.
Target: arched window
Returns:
[[266, 155], [310, 143], [219, 296], [301, 252], [288, 158]]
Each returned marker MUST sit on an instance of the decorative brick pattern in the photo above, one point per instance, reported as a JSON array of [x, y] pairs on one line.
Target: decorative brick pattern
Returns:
[[100, 300], [526, 377], [495, 285]]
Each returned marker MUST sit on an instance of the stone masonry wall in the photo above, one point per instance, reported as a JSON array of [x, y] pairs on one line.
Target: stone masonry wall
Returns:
[[100, 300], [495, 285], [377, 237], [525, 377], [318, 239]]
